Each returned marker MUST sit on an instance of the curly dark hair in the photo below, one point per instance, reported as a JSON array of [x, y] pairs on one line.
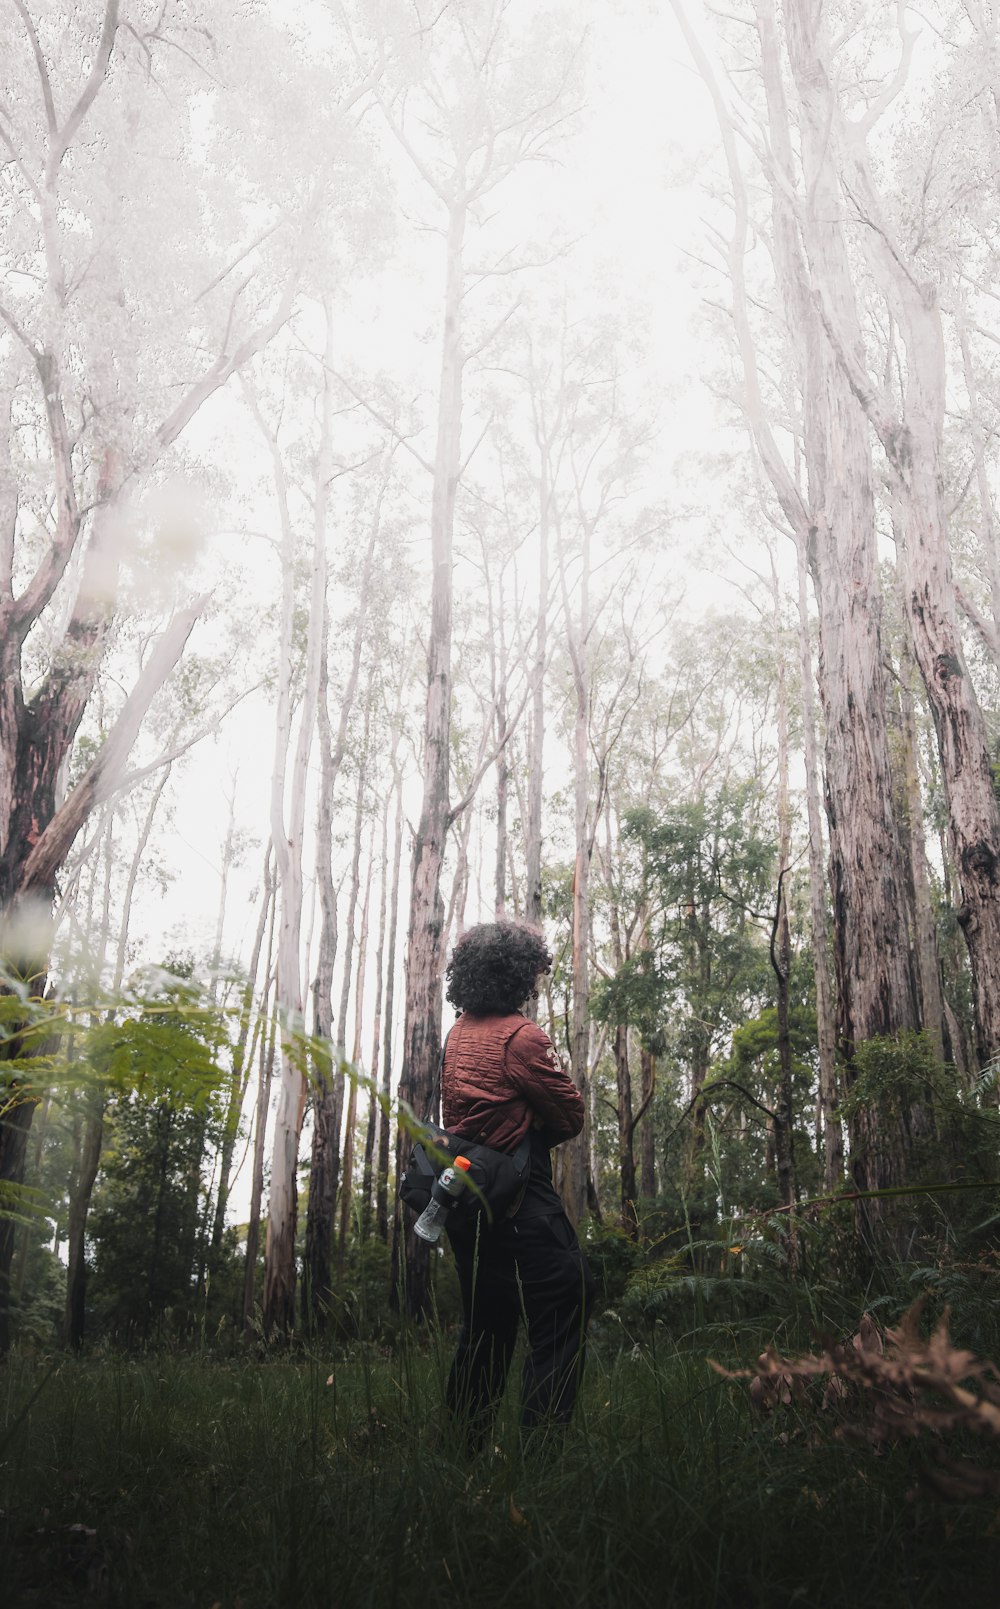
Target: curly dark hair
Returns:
[[494, 966]]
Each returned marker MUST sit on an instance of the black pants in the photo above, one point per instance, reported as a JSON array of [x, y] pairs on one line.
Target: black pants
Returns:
[[532, 1269]]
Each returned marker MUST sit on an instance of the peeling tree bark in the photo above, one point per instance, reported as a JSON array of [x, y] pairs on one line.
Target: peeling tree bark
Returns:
[[834, 520], [987, 514], [925, 932], [875, 984], [913, 443]]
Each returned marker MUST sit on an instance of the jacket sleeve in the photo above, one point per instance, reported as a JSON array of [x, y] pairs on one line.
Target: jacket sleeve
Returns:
[[535, 1068]]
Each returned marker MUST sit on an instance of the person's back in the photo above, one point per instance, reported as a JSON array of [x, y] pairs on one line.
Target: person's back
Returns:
[[502, 1076]]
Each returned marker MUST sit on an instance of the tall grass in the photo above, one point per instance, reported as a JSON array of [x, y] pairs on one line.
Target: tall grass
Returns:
[[337, 1483]]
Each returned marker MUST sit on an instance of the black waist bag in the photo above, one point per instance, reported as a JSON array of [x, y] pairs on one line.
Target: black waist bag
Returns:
[[496, 1180]]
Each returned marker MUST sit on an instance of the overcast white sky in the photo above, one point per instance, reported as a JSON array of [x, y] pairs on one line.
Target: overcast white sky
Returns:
[[632, 177]]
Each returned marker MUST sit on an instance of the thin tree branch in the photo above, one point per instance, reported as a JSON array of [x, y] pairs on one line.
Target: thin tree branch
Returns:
[[91, 87], [491, 334], [132, 778], [224, 367], [16, 330], [380, 418], [476, 446], [43, 72], [986, 631], [15, 158], [50, 571], [490, 759], [99, 780], [907, 40], [706, 1091], [224, 273]]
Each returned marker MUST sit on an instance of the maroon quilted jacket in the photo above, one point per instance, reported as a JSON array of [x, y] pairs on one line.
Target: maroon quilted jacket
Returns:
[[501, 1077]]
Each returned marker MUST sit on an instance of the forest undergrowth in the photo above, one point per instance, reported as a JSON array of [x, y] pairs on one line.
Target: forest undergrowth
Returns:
[[332, 1477]]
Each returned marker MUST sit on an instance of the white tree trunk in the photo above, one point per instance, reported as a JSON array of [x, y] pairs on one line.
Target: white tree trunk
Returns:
[[288, 809], [425, 938]]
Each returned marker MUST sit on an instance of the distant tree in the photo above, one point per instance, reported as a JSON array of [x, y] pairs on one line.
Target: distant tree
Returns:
[[163, 1069], [709, 869], [293, 745], [330, 1069], [469, 98]]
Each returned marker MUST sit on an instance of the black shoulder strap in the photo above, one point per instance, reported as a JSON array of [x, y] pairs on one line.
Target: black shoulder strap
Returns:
[[523, 1151]]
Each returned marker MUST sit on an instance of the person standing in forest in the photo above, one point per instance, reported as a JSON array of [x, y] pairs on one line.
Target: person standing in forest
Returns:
[[501, 1081]]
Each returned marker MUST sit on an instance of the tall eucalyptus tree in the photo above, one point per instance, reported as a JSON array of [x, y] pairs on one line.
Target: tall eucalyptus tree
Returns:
[[96, 371], [470, 95], [826, 496], [908, 422]]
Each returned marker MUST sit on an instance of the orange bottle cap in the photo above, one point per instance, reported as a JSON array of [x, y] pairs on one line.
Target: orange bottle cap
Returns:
[[463, 1163]]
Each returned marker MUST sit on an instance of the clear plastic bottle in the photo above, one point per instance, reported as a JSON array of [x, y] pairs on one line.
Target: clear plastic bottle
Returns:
[[451, 1183]]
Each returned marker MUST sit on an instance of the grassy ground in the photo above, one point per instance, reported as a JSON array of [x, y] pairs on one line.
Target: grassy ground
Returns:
[[181, 1481]]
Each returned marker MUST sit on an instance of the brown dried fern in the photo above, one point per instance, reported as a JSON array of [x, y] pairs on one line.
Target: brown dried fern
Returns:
[[885, 1390]]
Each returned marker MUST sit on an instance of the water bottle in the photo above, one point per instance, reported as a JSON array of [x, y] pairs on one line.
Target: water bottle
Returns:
[[431, 1221]]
